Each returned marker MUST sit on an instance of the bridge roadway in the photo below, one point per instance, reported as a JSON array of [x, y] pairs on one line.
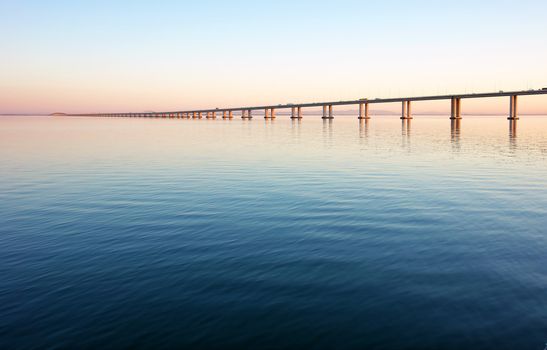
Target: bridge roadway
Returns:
[[362, 103]]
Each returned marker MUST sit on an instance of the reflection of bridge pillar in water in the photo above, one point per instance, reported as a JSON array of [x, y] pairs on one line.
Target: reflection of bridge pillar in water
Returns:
[[513, 133], [455, 128], [455, 132], [327, 128], [405, 124], [406, 131], [363, 128]]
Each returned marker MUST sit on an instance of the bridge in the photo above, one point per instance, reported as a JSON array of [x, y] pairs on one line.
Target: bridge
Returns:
[[328, 107]]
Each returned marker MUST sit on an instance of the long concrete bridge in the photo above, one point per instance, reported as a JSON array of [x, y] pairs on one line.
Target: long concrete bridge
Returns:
[[328, 107]]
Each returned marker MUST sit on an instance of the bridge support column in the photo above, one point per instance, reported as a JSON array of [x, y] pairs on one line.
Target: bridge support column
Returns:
[[330, 115], [224, 115], [230, 115], [214, 115], [266, 113], [208, 116], [272, 115], [455, 108], [363, 111], [298, 114], [513, 115], [406, 113]]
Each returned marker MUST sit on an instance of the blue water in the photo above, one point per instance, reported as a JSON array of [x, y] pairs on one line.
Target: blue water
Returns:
[[136, 233]]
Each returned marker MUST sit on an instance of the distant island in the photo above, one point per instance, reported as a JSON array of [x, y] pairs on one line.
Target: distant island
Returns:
[[57, 114]]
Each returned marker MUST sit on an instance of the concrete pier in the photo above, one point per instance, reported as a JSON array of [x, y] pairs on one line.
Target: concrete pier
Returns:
[[298, 114], [224, 114], [406, 112], [246, 114], [230, 115], [363, 111], [266, 113], [455, 108], [513, 115], [330, 115], [272, 116]]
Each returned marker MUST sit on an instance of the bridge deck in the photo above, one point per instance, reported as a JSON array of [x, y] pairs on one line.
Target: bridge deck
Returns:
[[353, 102]]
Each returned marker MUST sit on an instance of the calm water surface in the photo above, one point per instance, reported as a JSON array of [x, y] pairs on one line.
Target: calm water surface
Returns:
[[140, 233]]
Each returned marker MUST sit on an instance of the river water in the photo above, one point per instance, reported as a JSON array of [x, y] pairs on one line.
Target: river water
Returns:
[[165, 233]]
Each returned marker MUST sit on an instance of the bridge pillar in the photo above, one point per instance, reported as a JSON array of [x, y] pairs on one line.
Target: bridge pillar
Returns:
[[230, 115], [363, 111], [266, 113], [455, 108], [214, 115], [324, 112], [331, 114], [272, 115], [513, 115], [298, 114], [406, 113], [208, 116]]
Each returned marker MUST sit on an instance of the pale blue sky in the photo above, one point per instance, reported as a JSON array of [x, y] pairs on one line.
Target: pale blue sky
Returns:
[[154, 55]]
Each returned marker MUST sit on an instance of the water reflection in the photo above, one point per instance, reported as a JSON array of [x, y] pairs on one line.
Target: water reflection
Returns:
[[296, 125], [455, 134], [513, 134], [405, 132], [363, 128], [327, 131]]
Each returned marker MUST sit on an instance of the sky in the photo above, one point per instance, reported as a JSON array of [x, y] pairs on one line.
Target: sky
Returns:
[[118, 56]]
